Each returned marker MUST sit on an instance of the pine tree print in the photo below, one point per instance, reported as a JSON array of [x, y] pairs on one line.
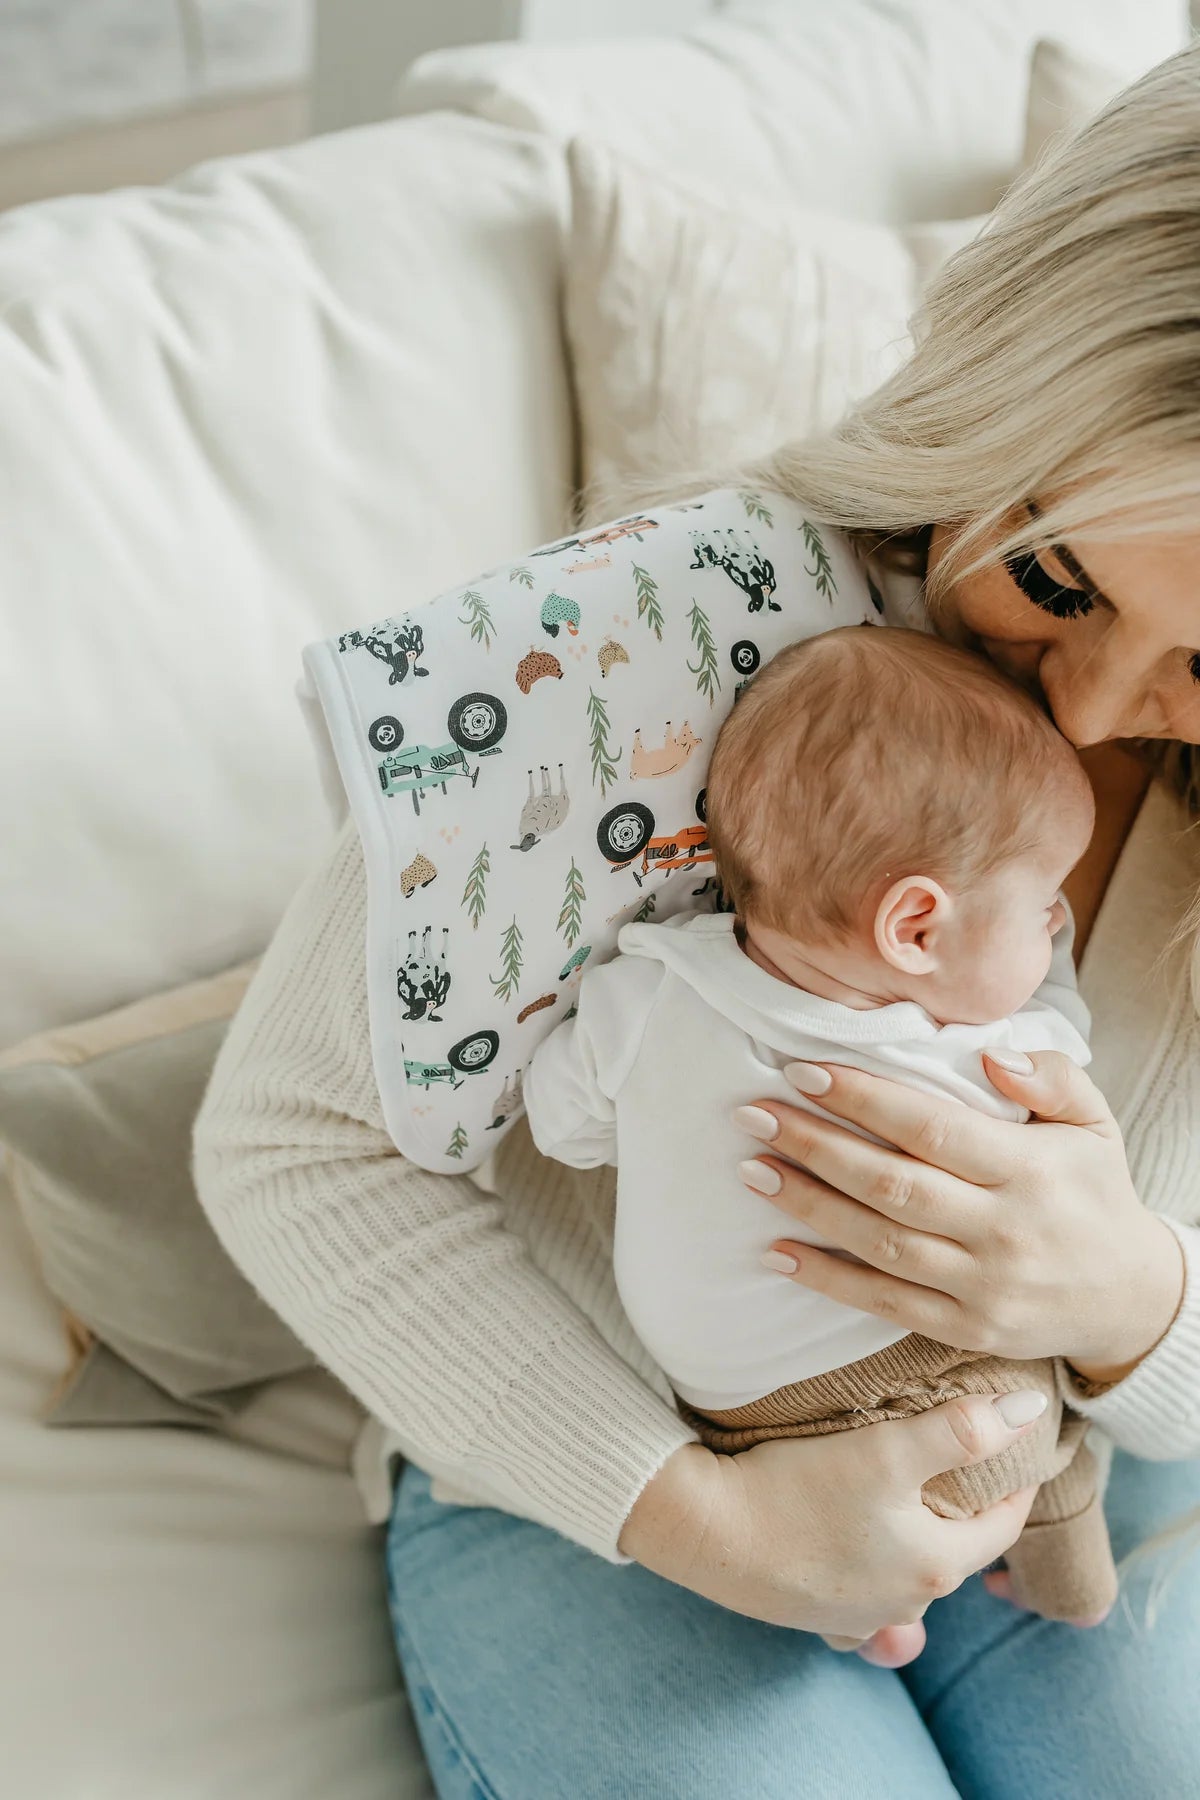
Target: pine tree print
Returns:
[[478, 617], [822, 570], [755, 508], [647, 600], [573, 898], [512, 956], [645, 910], [458, 1142], [475, 893], [524, 576], [604, 759], [708, 679]]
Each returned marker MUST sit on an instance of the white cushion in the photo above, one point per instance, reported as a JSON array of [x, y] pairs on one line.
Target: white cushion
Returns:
[[704, 334], [183, 1615], [879, 109], [1065, 89], [292, 390]]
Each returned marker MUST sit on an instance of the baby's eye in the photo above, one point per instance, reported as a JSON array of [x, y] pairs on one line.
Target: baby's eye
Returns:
[[1053, 596]]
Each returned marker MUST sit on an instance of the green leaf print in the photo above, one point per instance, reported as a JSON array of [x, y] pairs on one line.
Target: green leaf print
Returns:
[[570, 1013], [708, 679], [755, 508], [573, 899], [458, 1142], [647, 600], [512, 956], [524, 576], [478, 618], [822, 570], [475, 893], [604, 759], [645, 910]]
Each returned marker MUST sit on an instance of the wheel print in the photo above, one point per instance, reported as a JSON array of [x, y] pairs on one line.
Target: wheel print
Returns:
[[624, 831], [386, 733], [477, 721], [474, 1052], [702, 806], [745, 656]]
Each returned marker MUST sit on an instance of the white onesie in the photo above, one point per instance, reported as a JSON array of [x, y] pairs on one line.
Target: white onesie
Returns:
[[669, 1037]]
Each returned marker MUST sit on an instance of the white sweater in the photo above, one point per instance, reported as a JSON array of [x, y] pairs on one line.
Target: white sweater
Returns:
[[485, 1333], [668, 1038]]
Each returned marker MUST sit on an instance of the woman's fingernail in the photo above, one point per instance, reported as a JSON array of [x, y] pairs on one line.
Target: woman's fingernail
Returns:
[[756, 1122], [760, 1176], [808, 1078], [1015, 1061], [1021, 1408], [775, 1259]]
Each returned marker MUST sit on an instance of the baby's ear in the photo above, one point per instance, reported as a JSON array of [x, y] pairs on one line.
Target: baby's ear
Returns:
[[909, 921]]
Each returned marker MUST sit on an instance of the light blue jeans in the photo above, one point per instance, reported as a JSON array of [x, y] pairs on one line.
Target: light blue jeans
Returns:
[[539, 1672]]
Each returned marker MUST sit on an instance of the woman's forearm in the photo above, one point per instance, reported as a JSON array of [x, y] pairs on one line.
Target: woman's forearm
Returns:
[[1153, 1410], [407, 1284], [1152, 1288]]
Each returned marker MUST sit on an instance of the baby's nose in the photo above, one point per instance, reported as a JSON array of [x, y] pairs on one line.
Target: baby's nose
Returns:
[[1058, 917]]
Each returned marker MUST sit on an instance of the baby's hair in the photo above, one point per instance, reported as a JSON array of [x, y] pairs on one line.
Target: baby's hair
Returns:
[[869, 753]]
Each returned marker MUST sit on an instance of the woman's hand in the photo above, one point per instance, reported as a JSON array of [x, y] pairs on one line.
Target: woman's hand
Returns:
[[828, 1534], [1021, 1240]]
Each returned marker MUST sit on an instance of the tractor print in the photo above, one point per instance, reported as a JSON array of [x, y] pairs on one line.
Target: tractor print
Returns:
[[400, 643], [558, 610], [470, 1056], [476, 722], [544, 811], [423, 981], [742, 561], [575, 962], [636, 526], [745, 658], [626, 833], [507, 1102]]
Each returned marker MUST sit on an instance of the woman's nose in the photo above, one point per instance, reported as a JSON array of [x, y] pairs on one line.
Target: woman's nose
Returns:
[[1094, 698]]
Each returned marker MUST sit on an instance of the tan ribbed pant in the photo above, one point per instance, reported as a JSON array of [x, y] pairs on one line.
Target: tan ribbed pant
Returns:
[[1062, 1564]]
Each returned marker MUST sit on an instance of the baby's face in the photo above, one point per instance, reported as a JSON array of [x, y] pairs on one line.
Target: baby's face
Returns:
[[997, 951]]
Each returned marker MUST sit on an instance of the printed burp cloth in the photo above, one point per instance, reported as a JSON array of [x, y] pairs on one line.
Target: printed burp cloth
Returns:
[[525, 761]]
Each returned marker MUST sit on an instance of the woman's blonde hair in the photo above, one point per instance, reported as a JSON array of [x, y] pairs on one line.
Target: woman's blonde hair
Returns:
[[1057, 355]]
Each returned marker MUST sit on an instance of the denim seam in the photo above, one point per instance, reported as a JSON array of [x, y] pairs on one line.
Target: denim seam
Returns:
[[409, 1658]]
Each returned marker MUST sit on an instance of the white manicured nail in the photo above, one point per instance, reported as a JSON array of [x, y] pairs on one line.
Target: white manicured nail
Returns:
[[760, 1176], [1015, 1061], [775, 1259], [1021, 1408], [756, 1123], [808, 1078]]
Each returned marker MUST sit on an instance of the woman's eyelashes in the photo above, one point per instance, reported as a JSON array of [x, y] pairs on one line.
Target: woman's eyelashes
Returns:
[[1194, 667], [1043, 590]]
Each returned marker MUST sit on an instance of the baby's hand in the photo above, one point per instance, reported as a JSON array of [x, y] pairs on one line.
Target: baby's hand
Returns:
[[891, 1648]]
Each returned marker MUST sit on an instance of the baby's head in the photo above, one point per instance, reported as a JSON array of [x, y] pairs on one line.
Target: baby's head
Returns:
[[896, 813]]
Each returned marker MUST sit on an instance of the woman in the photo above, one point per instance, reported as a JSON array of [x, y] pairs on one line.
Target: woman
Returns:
[[1049, 423]]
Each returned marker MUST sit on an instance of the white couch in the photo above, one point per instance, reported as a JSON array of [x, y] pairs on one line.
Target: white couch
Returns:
[[294, 391]]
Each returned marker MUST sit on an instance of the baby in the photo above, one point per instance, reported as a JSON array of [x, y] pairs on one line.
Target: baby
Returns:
[[892, 820]]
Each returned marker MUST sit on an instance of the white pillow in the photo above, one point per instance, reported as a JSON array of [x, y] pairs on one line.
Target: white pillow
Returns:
[[289, 390], [886, 110], [1065, 90], [703, 333]]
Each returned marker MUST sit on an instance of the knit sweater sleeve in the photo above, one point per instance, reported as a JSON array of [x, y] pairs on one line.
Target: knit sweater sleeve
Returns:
[[405, 1284]]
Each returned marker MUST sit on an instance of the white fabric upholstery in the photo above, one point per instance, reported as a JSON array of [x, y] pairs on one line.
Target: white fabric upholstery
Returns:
[[184, 1616], [877, 109], [296, 390]]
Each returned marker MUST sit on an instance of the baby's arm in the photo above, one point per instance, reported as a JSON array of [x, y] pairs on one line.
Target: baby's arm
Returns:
[[572, 1083]]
